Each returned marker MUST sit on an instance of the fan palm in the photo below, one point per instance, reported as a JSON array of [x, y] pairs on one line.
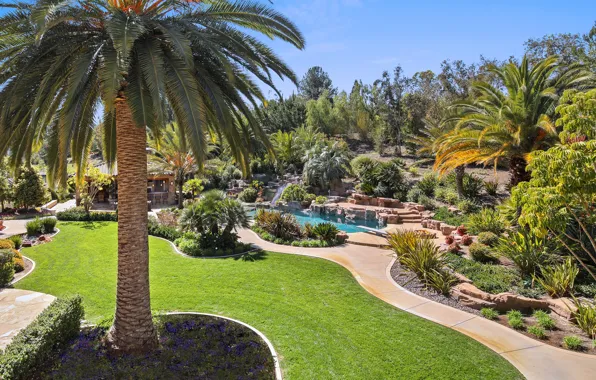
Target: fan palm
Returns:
[[326, 164], [508, 124], [62, 62], [171, 154]]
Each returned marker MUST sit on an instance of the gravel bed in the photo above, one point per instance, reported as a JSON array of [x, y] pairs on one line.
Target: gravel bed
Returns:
[[410, 281]]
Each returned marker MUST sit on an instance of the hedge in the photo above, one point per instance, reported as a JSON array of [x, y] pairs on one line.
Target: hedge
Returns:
[[41, 341], [78, 214]]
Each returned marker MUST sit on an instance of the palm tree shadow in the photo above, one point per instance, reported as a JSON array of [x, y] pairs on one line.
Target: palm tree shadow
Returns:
[[93, 225], [253, 256]]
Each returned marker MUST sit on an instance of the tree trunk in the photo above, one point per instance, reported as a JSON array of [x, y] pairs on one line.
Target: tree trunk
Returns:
[[517, 170], [133, 330], [77, 195], [398, 147], [460, 171], [180, 197]]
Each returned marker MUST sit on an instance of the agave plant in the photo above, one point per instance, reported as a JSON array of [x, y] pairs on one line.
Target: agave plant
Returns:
[[141, 62]]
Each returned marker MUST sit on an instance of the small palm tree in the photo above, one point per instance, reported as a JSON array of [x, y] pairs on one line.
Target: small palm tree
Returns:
[[326, 165], [508, 124], [214, 213], [171, 154], [64, 61]]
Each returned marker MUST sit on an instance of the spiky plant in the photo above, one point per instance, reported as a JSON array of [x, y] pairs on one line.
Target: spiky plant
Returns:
[[507, 124], [61, 62]]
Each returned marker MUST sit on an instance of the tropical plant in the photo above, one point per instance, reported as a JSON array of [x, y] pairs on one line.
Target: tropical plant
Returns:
[[172, 154], [537, 331], [526, 250], [544, 320], [281, 225], [193, 186], [214, 214], [559, 199], [286, 151], [489, 313], [507, 125], [428, 183], [325, 231], [326, 165], [558, 279], [515, 319], [585, 317], [65, 62], [487, 220], [491, 187], [5, 189]]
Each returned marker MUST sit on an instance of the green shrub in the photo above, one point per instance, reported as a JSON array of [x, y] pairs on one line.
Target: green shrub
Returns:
[[558, 279], [427, 184], [515, 319], [490, 278], [360, 163], [248, 195], [7, 244], [544, 320], [441, 193], [309, 198], [49, 225], [526, 250], [321, 200], [572, 342], [489, 313], [294, 193], [17, 261], [413, 170], [6, 266], [481, 253], [78, 214], [17, 240], [39, 342], [467, 206], [487, 220], [585, 317], [444, 215], [472, 185], [414, 194], [325, 231], [488, 238], [167, 232], [586, 290], [451, 197], [491, 187], [189, 246], [427, 202], [34, 227], [537, 331]]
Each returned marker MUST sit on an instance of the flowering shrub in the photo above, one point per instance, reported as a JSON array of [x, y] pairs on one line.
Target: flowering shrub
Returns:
[[449, 240], [466, 240], [462, 230]]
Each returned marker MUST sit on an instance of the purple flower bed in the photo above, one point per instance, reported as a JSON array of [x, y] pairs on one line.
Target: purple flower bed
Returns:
[[191, 346]]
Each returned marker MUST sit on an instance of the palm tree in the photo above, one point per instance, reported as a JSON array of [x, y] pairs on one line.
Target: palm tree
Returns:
[[62, 62], [172, 154], [508, 124], [326, 164]]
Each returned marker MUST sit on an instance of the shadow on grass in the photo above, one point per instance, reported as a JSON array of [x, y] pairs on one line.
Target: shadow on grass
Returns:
[[88, 225], [253, 256]]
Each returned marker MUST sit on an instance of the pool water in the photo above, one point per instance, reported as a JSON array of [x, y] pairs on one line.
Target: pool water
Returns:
[[344, 225]]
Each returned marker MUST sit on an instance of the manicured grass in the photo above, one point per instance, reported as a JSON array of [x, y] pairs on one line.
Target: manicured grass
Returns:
[[323, 324]]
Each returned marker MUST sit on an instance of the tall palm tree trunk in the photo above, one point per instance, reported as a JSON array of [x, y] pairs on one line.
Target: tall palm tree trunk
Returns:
[[180, 193], [133, 330], [517, 170]]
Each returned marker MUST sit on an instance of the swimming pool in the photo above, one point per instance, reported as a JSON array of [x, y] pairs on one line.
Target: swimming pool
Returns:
[[345, 225]]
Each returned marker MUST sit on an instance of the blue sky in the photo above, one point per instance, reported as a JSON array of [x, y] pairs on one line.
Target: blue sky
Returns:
[[358, 39]]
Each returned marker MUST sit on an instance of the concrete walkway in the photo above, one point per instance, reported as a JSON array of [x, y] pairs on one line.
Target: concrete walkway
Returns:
[[18, 308], [371, 266]]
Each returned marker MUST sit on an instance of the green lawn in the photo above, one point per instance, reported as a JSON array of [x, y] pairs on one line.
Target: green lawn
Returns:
[[323, 324]]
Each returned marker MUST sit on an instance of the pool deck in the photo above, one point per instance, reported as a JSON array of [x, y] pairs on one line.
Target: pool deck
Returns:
[[369, 239]]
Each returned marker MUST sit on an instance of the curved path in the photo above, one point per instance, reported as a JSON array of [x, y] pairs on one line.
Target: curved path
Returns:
[[371, 266]]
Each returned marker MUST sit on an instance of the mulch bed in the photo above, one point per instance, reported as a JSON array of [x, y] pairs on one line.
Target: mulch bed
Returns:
[[410, 281], [191, 347]]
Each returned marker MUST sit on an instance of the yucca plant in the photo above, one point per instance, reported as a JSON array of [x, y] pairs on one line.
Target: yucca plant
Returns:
[[136, 60], [558, 279], [506, 125]]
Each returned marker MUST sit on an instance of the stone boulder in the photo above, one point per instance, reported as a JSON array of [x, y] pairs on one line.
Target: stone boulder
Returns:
[[446, 229]]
